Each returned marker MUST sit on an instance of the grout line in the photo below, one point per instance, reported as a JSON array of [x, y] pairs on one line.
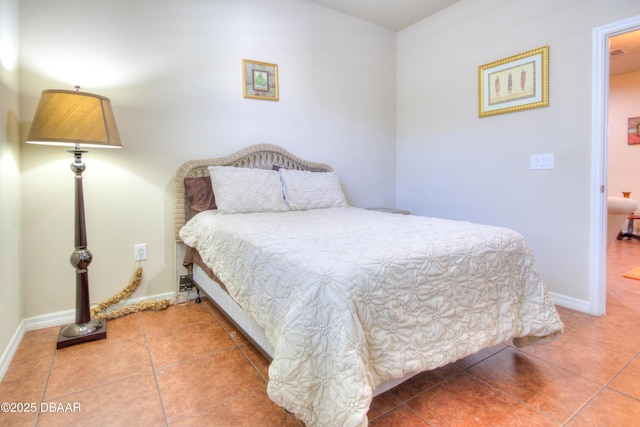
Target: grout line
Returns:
[[583, 406], [419, 415], [246, 356], [153, 368], [46, 383]]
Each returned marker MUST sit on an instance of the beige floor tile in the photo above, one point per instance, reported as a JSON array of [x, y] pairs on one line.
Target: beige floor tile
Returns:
[[125, 327], [471, 360], [423, 381], [196, 385], [546, 387], [580, 352], [233, 332], [628, 380], [188, 341], [463, 400], [19, 419], [159, 322], [382, 404], [95, 363], [263, 412], [257, 359], [608, 408], [133, 401], [402, 416]]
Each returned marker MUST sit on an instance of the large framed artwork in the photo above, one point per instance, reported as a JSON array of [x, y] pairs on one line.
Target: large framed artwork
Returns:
[[259, 80], [516, 83]]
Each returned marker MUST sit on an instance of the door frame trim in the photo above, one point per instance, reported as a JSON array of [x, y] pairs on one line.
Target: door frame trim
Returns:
[[599, 147]]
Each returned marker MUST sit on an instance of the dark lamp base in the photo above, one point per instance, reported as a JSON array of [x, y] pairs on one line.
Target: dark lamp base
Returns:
[[78, 333]]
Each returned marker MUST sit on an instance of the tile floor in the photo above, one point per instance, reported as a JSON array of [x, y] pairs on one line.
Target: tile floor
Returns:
[[188, 366]]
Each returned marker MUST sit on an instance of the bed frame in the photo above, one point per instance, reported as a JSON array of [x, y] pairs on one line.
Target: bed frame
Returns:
[[263, 156]]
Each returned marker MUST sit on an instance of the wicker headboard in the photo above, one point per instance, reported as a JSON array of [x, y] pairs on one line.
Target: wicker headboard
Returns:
[[263, 156]]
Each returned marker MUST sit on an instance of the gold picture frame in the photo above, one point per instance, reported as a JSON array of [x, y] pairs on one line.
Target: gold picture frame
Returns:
[[516, 83], [259, 80]]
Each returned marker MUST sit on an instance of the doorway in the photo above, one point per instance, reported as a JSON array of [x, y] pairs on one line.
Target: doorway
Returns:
[[598, 249]]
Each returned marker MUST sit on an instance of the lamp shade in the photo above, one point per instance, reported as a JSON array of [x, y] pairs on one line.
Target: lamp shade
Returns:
[[66, 117]]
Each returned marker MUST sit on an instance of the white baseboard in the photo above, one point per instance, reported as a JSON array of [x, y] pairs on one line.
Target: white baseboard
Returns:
[[11, 349], [572, 303], [68, 316], [55, 319]]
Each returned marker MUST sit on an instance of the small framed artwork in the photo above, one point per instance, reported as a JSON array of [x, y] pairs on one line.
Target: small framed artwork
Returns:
[[259, 80], [516, 83], [634, 130]]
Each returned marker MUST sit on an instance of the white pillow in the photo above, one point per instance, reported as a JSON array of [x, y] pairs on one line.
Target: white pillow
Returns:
[[245, 190], [305, 190]]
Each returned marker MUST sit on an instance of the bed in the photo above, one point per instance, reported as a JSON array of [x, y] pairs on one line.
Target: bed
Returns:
[[348, 302]]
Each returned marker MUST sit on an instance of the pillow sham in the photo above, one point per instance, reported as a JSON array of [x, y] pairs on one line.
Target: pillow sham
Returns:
[[304, 190], [245, 190], [199, 193]]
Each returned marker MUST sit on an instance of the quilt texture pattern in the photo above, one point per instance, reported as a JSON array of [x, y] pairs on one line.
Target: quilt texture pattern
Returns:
[[350, 298]]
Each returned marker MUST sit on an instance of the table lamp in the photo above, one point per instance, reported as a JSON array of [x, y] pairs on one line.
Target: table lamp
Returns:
[[77, 119]]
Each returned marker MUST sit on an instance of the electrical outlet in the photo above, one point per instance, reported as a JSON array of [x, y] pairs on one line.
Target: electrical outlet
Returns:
[[186, 283], [140, 252]]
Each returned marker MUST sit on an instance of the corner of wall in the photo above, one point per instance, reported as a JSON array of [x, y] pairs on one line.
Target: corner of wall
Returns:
[[11, 306]]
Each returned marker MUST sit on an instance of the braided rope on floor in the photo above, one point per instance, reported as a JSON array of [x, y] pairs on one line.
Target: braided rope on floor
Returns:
[[98, 312]]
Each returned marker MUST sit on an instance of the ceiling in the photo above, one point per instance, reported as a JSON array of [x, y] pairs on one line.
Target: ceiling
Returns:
[[392, 14], [396, 15], [629, 60]]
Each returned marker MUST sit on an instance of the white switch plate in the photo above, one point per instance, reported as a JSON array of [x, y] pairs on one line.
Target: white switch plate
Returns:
[[140, 252], [542, 161]]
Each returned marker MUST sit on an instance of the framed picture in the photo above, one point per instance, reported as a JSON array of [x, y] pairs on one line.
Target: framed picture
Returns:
[[259, 80], [517, 83], [634, 130]]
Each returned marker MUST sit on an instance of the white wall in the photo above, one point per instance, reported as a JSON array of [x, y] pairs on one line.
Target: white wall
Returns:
[[623, 159], [172, 70], [10, 268], [453, 164]]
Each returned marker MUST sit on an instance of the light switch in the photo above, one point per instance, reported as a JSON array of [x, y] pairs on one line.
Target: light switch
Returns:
[[542, 161]]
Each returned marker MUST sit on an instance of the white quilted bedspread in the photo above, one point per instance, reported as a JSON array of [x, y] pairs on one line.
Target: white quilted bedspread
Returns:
[[350, 297]]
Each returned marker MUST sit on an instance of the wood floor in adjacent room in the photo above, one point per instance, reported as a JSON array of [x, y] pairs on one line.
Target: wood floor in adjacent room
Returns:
[[187, 366]]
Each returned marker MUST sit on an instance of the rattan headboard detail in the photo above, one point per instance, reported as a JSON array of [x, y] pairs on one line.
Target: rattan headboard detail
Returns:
[[263, 156]]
